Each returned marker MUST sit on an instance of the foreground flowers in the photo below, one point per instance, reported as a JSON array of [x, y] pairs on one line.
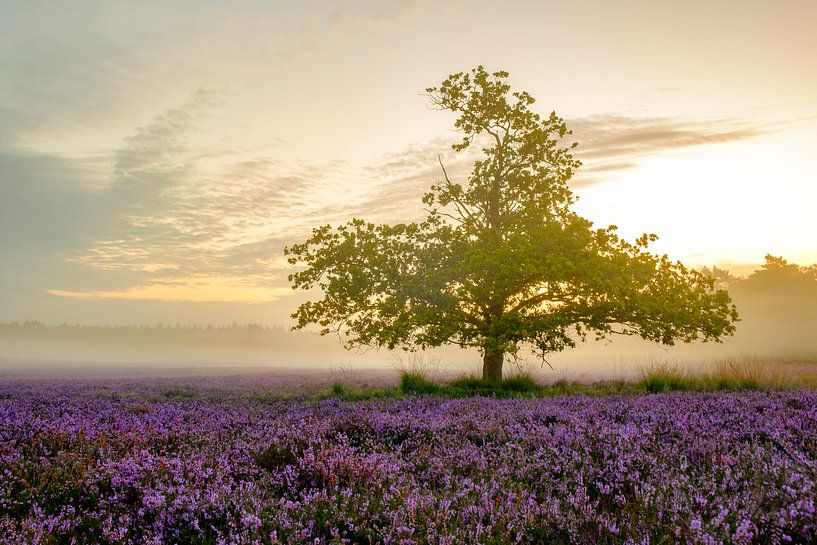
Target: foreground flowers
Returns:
[[98, 462]]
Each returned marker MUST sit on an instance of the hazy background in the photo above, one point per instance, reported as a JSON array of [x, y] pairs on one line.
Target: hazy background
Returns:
[[156, 157], [777, 303]]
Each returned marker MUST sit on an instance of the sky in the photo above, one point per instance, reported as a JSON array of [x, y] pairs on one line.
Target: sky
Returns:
[[156, 157]]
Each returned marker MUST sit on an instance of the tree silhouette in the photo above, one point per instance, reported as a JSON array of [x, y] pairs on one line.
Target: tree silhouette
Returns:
[[501, 260]]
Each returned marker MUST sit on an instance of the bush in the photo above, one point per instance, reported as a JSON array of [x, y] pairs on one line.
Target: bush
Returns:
[[521, 383], [568, 387], [667, 377], [417, 384], [510, 387], [340, 390], [471, 383]]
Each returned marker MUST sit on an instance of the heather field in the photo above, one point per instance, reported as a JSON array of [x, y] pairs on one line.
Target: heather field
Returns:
[[213, 461]]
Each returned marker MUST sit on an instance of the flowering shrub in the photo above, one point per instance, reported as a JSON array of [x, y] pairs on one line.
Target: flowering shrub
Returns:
[[85, 463]]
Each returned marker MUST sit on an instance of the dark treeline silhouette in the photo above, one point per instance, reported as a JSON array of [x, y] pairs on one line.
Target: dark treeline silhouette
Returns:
[[232, 332], [234, 344], [777, 304]]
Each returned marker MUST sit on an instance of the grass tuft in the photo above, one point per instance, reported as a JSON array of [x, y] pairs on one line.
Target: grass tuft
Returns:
[[521, 383], [345, 392], [515, 386], [416, 383]]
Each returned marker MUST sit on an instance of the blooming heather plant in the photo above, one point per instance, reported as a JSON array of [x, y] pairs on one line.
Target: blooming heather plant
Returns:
[[92, 462]]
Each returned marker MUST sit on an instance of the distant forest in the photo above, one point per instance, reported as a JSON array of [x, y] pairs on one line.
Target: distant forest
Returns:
[[249, 343], [234, 333], [777, 302]]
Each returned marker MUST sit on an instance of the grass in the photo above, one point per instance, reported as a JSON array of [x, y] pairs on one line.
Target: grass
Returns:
[[416, 383], [732, 375], [522, 385], [346, 392], [514, 386]]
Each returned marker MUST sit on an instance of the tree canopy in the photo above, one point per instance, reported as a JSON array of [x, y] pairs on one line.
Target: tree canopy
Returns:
[[501, 260]]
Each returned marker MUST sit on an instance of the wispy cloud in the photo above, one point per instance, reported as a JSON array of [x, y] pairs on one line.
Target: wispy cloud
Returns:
[[608, 145], [208, 290], [611, 143], [173, 211]]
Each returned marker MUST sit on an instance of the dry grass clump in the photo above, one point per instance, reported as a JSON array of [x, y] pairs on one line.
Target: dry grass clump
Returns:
[[419, 364], [745, 373]]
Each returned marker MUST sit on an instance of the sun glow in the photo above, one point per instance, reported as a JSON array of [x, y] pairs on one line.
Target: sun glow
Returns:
[[715, 204], [189, 290]]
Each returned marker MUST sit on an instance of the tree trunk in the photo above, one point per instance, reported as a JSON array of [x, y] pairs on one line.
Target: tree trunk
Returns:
[[492, 365]]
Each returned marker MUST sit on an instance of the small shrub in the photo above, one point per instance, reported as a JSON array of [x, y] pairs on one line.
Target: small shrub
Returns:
[[417, 384], [666, 377], [750, 384], [722, 384], [471, 384], [521, 384], [567, 387], [340, 389], [511, 387], [418, 363], [654, 384], [658, 383], [747, 374]]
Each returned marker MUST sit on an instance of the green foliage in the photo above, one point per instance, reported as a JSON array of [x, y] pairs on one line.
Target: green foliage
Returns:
[[345, 392], [567, 387], [340, 390], [500, 260], [472, 384], [519, 386], [179, 393], [417, 384], [520, 383], [657, 383]]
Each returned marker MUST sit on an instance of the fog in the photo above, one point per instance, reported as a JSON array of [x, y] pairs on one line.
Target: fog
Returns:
[[777, 306]]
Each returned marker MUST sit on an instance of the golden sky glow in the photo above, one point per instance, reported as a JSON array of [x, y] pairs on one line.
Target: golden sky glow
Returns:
[[187, 289], [155, 158]]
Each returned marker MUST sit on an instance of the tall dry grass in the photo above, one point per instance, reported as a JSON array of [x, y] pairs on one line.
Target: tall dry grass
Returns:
[[416, 363], [737, 373]]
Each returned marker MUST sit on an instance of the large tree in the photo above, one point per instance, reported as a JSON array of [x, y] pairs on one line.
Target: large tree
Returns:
[[500, 261]]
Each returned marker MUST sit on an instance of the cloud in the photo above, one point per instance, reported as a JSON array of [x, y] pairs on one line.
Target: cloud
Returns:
[[143, 221], [181, 210], [61, 75], [167, 218], [199, 290], [78, 76], [611, 143], [388, 15], [48, 202], [608, 144]]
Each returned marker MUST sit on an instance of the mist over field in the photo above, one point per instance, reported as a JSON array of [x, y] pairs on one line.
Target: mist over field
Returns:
[[777, 305]]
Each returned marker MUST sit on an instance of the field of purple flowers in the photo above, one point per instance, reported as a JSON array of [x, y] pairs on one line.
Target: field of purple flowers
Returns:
[[87, 462]]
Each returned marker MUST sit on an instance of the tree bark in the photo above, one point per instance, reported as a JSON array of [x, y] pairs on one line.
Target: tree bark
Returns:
[[492, 365]]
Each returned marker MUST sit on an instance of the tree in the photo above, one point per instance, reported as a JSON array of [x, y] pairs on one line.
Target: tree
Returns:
[[780, 295], [500, 261], [779, 274]]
